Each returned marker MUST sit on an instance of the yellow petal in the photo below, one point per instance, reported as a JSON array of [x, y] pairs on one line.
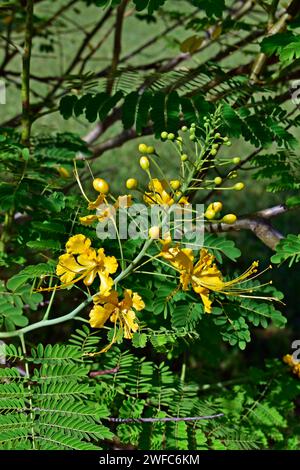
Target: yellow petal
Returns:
[[207, 303], [137, 302], [129, 324], [78, 244], [99, 315], [88, 259], [159, 193], [88, 220], [185, 279], [106, 283], [95, 204], [67, 268], [111, 297], [90, 277], [126, 303], [110, 264]]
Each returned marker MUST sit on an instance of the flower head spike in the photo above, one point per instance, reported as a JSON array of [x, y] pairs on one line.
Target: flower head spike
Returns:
[[119, 312], [204, 276]]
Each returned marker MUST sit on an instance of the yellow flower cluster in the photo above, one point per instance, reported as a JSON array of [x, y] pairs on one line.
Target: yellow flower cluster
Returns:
[[118, 311], [161, 192], [82, 262], [294, 365], [203, 276]]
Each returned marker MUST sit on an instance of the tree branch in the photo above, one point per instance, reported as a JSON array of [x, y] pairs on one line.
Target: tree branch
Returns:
[[163, 420], [258, 223], [118, 141], [26, 57], [117, 45]]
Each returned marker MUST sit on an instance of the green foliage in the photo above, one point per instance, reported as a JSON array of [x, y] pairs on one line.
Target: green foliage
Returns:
[[212, 8], [285, 45], [288, 249], [281, 170], [181, 362], [14, 299], [163, 109], [51, 407]]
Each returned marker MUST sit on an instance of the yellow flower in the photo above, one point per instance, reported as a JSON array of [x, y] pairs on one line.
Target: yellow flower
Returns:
[[203, 276], [96, 204], [88, 219], [160, 194], [82, 262], [294, 365], [118, 311], [107, 211]]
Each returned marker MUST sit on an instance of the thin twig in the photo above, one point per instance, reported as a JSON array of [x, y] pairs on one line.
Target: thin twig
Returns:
[[163, 420], [96, 373]]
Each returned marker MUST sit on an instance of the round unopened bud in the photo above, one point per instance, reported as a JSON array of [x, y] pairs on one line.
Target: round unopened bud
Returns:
[[184, 128], [239, 186], [216, 206], [164, 135], [131, 183], [236, 160], [193, 125], [171, 136], [144, 163], [101, 185], [213, 152], [217, 135], [218, 180], [184, 157], [143, 148], [229, 219], [150, 150], [192, 137], [175, 184], [210, 214]]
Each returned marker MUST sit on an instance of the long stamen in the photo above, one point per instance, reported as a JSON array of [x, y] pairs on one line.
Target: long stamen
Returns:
[[79, 182]]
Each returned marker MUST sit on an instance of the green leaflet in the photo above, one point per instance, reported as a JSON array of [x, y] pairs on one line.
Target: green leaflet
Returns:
[[287, 249], [14, 297]]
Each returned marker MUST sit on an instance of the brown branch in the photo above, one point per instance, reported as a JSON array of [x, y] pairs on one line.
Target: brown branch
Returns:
[[104, 372], [258, 223], [118, 141], [26, 58], [87, 39], [117, 44], [163, 420]]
